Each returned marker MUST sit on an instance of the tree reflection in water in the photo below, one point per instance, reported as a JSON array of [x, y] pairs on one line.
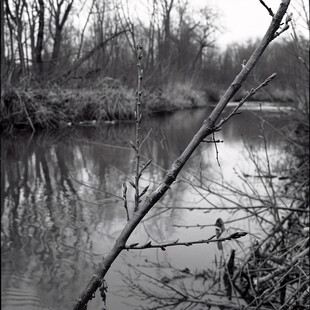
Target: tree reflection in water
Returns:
[[62, 208]]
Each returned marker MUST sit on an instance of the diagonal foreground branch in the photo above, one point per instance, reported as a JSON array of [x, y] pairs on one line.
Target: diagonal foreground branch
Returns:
[[206, 129]]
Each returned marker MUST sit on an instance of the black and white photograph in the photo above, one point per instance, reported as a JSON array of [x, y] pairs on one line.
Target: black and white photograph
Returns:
[[155, 155]]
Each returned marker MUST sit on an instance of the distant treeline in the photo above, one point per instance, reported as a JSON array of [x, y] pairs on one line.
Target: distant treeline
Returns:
[[76, 44]]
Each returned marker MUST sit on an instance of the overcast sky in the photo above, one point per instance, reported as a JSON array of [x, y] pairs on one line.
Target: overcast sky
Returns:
[[241, 19]]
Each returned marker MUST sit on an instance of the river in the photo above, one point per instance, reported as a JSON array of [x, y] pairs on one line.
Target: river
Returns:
[[61, 208]]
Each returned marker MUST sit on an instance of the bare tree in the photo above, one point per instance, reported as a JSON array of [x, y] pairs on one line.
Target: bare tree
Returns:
[[204, 35], [164, 46], [60, 18], [15, 14], [36, 10]]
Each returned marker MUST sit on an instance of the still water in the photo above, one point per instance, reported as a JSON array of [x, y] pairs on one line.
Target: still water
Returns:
[[61, 206]]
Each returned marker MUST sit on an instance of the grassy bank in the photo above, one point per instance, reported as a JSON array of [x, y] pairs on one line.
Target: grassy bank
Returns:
[[54, 107], [108, 100]]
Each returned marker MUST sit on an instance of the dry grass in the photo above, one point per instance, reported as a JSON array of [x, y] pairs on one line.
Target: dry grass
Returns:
[[175, 96], [50, 108], [108, 100]]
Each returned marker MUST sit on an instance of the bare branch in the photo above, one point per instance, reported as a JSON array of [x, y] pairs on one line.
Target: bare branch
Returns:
[[139, 51], [247, 97], [284, 268], [163, 246]]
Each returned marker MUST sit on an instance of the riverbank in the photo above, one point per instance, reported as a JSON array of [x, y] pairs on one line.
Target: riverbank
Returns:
[[55, 107], [109, 100]]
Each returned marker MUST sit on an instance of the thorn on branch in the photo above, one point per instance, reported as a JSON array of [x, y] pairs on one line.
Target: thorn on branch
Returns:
[[144, 191], [147, 245], [145, 166], [212, 237], [133, 244]]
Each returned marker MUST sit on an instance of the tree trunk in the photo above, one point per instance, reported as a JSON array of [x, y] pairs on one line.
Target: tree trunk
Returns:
[[20, 47], [56, 48], [40, 37], [3, 69], [59, 25]]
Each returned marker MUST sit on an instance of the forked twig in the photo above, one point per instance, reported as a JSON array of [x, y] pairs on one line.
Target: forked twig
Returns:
[[243, 100]]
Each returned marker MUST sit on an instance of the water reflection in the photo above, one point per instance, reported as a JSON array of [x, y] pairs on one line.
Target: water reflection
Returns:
[[61, 207]]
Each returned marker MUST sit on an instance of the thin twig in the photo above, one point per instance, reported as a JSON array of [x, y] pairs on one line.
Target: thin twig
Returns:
[[138, 123], [149, 245], [216, 150], [267, 8], [243, 100], [232, 208], [284, 268], [124, 190]]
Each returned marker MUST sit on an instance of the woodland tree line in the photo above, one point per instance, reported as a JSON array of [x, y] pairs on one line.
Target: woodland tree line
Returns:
[[74, 42]]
